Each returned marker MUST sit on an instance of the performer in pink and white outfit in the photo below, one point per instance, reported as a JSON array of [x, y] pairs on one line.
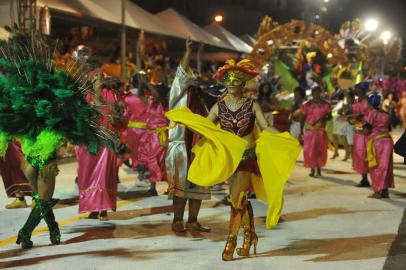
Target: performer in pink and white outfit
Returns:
[[15, 182], [379, 148], [98, 174], [146, 132], [153, 144], [359, 109], [135, 111], [317, 111]]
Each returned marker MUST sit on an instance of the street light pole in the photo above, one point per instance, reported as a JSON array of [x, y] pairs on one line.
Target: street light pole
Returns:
[[27, 14], [386, 36], [123, 43]]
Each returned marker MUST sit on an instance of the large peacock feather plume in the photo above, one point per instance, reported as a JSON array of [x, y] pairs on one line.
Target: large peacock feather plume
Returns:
[[43, 105]]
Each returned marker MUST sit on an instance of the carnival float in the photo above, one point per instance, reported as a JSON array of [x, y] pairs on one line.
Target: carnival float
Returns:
[[304, 54]]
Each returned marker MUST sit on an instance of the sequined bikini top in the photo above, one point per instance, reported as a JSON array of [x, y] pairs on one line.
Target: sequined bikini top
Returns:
[[241, 122]]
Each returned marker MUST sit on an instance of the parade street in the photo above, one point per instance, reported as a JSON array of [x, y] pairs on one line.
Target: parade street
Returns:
[[202, 135], [327, 224]]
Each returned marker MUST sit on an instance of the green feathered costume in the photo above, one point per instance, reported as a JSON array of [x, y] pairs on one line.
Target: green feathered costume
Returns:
[[41, 105]]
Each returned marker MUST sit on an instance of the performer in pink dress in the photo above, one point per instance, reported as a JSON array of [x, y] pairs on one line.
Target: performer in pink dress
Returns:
[[379, 148], [98, 174], [359, 109], [146, 131], [152, 144], [316, 111], [135, 111], [15, 182]]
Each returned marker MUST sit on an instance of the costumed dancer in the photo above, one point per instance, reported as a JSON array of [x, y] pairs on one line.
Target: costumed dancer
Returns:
[[389, 105], [402, 108], [233, 153], [135, 111], [149, 148], [359, 109], [237, 115], [179, 155], [266, 98], [348, 129], [379, 148], [296, 121], [41, 107], [339, 122], [316, 111], [15, 182], [342, 129], [98, 174]]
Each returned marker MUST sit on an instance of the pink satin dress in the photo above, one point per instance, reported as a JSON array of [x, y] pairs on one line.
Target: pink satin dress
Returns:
[[150, 151], [359, 162], [315, 139], [382, 174], [135, 110], [10, 169], [98, 174]]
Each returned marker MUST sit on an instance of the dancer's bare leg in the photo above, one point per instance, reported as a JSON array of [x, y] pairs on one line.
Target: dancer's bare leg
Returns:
[[43, 184], [335, 143], [238, 188], [347, 149]]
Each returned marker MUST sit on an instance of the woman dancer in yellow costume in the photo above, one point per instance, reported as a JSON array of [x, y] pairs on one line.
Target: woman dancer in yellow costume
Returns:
[[237, 114], [236, 152]]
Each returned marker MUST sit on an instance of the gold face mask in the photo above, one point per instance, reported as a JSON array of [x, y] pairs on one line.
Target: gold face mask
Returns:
[[233, 80]]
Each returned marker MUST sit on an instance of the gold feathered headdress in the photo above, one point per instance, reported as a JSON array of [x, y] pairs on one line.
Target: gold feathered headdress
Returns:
[[243, 70]]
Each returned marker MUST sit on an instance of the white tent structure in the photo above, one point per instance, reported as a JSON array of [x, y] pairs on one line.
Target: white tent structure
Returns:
[[248, 39], [103, 10], [187, 28], [168, 22], [110, 11], [228, 37]]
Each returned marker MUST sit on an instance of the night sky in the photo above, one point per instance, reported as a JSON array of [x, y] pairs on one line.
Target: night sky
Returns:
[[244, 16]]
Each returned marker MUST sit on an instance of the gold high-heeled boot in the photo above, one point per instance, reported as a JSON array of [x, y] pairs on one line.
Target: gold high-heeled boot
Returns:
[[228, 252], [250, 237], [231, 244]]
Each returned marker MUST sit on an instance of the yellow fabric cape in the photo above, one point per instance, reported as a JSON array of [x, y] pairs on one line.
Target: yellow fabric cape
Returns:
[[219, 152], [276, 154]]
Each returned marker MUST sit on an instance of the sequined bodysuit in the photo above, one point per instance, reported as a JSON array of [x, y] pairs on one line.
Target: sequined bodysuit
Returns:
[[240, 122]]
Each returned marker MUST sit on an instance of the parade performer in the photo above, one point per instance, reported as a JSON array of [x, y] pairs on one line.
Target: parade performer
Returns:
[[42, 106], [296, 122], [339, 122], [348, 129], [316, 111], [146, 134], [231, 152], [359, 109], [135, 111], [342, 129], [15, 182], [179, 155], [379, 148], [98, 174]]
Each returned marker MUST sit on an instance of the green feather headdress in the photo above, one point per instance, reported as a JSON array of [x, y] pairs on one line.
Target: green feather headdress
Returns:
[[42, 105]]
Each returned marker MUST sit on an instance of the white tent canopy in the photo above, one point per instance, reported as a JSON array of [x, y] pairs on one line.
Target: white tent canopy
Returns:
[[168, 22], [187, 28], [110, 11], [248, 39], [105, 10], [228, 38]]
